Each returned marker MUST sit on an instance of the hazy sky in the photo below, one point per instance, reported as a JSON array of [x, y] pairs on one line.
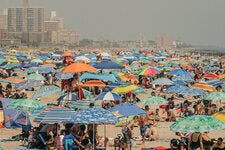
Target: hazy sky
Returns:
[[194, 21]]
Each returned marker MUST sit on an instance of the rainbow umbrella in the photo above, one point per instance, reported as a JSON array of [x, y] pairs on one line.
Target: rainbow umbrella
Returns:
[[148, 71]]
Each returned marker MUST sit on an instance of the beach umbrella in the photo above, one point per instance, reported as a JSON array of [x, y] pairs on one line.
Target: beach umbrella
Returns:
[[56, 115], [197, 123], [149, 71], [182, 78], [211, 76], [11, 80], [46, 70], [82, 104], [125, 88], [78, 67], [25, 104], [154, 100], [215, 96], [94, 116], [36, 61], [108, 64], [220, 116], [46, 90], [204, 86], [93, 83], [64, 76], [140, 90], [30, 70], [108, 96], [180, 72], [68, 97], [127, 109], [67, 54], [176, 89], [128, 77], [28, 84], [35, 76], [162, 81], [193, 92]]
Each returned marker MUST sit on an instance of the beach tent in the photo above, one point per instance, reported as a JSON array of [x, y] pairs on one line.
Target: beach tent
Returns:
[[14, 118]]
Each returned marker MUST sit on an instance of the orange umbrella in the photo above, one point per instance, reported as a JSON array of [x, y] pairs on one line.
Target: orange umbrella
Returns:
[[92, 83], [129, 77], [204, 86], [78, 67], [67, 54]]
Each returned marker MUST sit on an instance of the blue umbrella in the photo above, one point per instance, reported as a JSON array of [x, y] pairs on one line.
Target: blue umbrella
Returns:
[[108, 96], [46, 70], [64, 76], [180, 72], [27, 84], [193, 92], [94, 116], [127, 109], [108, 64], [56, 115], [185, 78], [177, 89]]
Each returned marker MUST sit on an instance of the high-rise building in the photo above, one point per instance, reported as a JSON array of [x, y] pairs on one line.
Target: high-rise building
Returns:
[[25, 19], [25, 3], [164, 41]]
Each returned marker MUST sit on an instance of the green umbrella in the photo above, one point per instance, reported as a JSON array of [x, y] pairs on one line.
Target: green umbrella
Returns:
[[154, 100], [215, 96], [25, 104], [46, 90], [140, 90], [197, 123], [35, 76]]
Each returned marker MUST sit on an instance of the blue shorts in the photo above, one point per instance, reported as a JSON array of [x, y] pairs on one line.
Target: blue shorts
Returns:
[[143, 130]]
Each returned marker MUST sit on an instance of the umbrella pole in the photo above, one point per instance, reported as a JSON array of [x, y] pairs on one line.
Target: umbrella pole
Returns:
[[93, 137]]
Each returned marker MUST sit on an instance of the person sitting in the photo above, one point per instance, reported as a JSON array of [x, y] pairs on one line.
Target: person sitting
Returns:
[[70, 142], [152, 132], [170, 115], [219, 145]]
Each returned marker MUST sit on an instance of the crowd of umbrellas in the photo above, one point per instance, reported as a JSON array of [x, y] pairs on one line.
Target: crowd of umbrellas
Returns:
[[121, 74]]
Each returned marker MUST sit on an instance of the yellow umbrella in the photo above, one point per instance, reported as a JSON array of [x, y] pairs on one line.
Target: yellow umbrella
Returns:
[[128, 77], [125, 89], [220, 116]]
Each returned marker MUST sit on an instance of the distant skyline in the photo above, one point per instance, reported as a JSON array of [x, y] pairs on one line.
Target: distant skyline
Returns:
[[198, 22]]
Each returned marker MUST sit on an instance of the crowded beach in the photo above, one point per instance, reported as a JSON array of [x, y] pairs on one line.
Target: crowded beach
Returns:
[[111, 99]]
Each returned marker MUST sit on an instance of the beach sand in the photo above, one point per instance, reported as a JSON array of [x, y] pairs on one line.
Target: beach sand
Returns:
[[111, 131]]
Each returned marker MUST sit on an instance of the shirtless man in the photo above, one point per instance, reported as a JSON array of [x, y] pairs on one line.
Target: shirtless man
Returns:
[[152, 132]]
